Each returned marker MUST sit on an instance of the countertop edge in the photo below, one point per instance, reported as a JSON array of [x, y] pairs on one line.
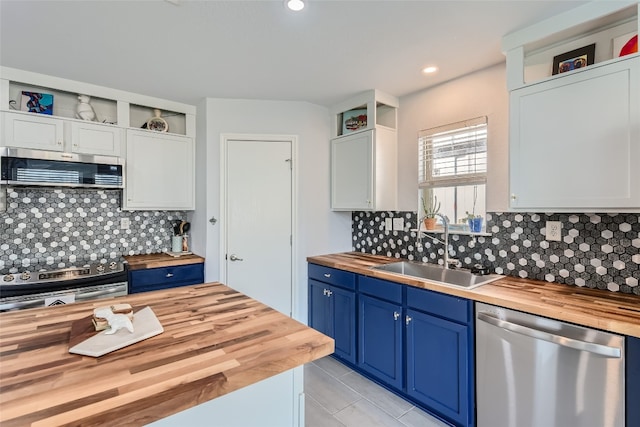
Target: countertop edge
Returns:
[[568, 306], [142, 262]]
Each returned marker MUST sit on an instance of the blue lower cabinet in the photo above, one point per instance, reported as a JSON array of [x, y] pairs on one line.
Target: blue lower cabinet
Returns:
[[152, 279], [437, 365], [332, 311], [380, 340], [319, 308]]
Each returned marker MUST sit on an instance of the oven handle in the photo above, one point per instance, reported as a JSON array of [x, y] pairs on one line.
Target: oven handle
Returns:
[[116, 289], [37, 300], [602, 350]]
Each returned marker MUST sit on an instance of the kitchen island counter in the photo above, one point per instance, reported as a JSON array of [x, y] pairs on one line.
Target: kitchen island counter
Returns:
[[610, 311], [215, 340]]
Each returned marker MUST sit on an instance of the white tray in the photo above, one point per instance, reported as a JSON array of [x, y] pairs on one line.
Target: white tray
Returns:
[[145, 325]]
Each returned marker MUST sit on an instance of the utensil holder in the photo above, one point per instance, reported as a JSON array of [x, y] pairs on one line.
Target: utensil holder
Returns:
[[176, 244]]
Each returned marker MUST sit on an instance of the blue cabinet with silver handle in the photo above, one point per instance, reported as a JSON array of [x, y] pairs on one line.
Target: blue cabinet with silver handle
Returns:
[[152, 279]]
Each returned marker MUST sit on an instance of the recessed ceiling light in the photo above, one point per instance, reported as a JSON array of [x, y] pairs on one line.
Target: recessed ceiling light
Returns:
[[295, 5], [429, 70]]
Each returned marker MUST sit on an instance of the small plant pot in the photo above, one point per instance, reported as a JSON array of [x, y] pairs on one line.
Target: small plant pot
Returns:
[[475, 225], [430, 223]]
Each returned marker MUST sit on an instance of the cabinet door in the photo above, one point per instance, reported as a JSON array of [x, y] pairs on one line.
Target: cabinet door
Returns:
[[380, 339], [574, 140], [438, 365], [30, 130], [320, 317], [343, 305], [160, 171], [93, 138], [352, 181]]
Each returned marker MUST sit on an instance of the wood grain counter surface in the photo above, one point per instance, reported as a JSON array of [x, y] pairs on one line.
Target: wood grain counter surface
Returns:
[[138, 262], [610, 311], [215, 341]]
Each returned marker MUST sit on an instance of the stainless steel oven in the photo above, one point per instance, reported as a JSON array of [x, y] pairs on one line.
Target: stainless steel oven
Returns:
[[42, 286]]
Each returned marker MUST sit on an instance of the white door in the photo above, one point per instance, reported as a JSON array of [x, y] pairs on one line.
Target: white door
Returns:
[[258, 218]]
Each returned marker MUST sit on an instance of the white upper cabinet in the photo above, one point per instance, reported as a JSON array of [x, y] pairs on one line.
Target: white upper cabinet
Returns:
[[27, 130], [33, 131], [575, 141], [93, 138], [364, 153], [159, 172], [574, 137]]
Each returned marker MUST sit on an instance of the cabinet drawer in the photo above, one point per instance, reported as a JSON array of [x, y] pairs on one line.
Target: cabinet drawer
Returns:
[[445, 306], [381, 289], [333, 276], [192, 273]]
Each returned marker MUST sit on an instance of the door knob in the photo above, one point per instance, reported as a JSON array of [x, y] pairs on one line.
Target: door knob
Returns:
[[233, 257]]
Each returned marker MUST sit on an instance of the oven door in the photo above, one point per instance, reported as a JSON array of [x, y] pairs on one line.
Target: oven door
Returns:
[[61, 297]]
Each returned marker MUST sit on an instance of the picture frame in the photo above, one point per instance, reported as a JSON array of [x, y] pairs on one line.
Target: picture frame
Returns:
[[34, 102], [625, 44], [574, 59], [354, 120]]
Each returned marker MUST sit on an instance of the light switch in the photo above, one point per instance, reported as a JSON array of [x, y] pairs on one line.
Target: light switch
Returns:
[[398, 224], [388, 225]]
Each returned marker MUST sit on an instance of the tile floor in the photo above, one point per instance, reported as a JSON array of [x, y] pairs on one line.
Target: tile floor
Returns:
[[337, 396]]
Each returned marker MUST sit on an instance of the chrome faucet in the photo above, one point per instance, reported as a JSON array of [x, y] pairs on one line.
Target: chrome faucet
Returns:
[[445, 225]]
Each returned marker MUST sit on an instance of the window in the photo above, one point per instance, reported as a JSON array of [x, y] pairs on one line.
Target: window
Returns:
[[453, 167]]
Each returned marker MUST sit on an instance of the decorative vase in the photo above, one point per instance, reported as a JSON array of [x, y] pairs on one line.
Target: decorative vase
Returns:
[[430, 223], [475, 225], [84, 110], [157, 123]]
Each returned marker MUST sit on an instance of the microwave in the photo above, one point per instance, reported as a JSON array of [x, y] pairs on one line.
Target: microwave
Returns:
[[19, 166]]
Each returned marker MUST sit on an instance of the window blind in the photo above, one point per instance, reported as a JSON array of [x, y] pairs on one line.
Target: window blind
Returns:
[[454, 154]]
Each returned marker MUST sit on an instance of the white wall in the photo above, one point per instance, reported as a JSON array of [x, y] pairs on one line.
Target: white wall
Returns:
[[318, 230], [483, 93]]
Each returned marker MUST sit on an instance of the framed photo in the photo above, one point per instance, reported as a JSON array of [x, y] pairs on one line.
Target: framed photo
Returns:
[[34, 102], [625, 44], [572, 60], [354, 120]]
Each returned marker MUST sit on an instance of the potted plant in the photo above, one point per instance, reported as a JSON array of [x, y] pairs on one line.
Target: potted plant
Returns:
[[430, 210], [474, 221]]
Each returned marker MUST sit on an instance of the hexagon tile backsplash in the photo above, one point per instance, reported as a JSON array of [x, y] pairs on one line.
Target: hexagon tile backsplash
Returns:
[[596, 251], [55, 226]]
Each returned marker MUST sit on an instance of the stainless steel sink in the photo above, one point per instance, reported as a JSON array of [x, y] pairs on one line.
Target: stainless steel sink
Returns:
[[460, 278]]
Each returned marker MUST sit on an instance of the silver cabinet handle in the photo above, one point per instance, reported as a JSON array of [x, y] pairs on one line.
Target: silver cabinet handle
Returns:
[[408, 320], [327, 275], [233, 257], [396, 315], [169, 275], [329, 293], [324, 292], [600, 349]]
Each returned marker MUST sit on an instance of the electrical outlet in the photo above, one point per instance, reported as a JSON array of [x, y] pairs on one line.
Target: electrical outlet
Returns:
[[125, 223], [388, 224], [553, 231], [398, 224]]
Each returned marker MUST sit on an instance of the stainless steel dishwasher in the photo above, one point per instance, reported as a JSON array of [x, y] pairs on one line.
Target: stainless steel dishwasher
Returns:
[[536, 372]]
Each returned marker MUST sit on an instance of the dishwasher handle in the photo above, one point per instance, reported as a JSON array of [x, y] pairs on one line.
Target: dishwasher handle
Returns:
[[602, 350]]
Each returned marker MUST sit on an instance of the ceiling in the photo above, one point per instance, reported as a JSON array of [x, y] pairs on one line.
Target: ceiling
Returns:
[[186, 50]]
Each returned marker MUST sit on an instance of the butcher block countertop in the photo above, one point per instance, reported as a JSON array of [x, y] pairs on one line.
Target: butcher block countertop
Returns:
[[610, 311], [139, 262], [215, 341]]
